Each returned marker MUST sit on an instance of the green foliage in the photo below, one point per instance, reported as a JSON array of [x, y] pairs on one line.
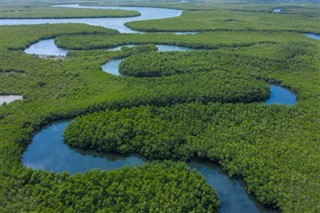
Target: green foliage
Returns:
[[22, 36], [155, 187], [231, 19], [274, 148], [255, 141], [157, 64], [205, 40]]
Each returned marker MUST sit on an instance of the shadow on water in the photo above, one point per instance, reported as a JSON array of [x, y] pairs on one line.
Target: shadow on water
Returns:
[[48, 152], [230, 191]]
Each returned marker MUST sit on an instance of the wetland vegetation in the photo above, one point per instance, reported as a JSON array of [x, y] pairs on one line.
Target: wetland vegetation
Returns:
[[204, 104]]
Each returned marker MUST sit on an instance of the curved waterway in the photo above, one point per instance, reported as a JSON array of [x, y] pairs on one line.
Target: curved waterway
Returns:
[[281, 95], [278, 94], [48, 152], [313, 36], [112, 66], [147, 13], [46, 47]]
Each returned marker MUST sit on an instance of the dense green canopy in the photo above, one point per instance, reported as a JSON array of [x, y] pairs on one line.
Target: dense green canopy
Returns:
[[207, 107]]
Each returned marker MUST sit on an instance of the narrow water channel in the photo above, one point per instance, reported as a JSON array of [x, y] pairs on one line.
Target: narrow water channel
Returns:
[[112, 66], [147, 13], [46, 47], [48, 152], [313, 36]]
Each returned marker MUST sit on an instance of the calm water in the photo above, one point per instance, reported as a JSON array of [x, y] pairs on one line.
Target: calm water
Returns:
[[166, 48], [46, 47], [9, 98], [119, 47], [185, 33], [112, 66], [231, 192], [277, 10], [48, 152], [179, 33], [311, 35], [281, 95], [161, 47], [49, 48], [113, 23]]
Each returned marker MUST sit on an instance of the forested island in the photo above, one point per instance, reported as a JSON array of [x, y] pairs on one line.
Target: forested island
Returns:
[[193, 101]]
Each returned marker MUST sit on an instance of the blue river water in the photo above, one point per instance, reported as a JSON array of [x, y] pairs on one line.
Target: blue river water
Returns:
[[113, 23], [281, 95], [313, 36], [277, 10], [48, 152], [46, 47], [112, 66]]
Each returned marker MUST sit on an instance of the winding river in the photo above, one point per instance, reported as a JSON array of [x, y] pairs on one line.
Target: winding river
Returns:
[[112, 66], [48, 151], [278, 94], [113, 23], [46, 47]]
